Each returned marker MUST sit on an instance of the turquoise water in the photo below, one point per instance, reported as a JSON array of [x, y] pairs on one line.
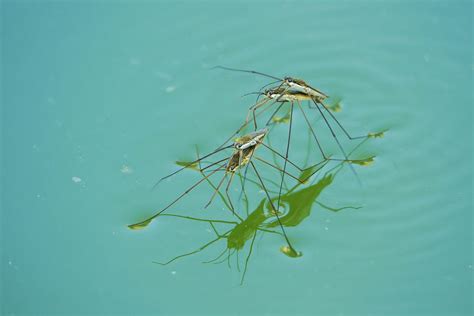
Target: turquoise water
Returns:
[[100, 98]]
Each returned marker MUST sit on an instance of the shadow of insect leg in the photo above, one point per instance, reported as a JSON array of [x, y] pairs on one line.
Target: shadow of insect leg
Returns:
[[247, 259], [193, 252]]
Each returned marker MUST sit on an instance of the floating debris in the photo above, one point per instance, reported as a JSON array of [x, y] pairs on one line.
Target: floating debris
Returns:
[[126, 169], [170, 89], [76, 179]]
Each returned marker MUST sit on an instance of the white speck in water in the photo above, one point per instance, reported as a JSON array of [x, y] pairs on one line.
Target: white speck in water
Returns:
[[38, 196], [208, 230], [76, 179], [173, 272], [326, 228], [470, 266], [10, 263], [126, 169], [170, 89]]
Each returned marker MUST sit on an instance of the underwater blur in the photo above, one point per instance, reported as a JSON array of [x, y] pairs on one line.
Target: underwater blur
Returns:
[[239, 158]]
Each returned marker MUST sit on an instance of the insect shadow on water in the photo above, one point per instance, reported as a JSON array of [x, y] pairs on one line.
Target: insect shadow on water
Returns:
[[264, 219]]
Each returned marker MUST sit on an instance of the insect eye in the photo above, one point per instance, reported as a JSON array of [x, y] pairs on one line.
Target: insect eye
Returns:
[[289, 79]]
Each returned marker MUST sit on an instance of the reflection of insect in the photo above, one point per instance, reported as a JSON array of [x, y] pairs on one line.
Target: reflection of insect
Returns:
[[299, 203]]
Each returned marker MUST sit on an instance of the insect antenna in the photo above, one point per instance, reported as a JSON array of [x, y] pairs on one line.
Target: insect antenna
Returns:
[[248, 71], [251, 93]]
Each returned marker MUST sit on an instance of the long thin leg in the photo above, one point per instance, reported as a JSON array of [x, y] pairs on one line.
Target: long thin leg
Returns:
[[337, 140], [259, 186], [274, 113], [216, 190], [189, 253], [312, 131], [210, 221], [149, 219], [252, 110], [212, 184], [247, 120], [247, 259], [191, 163], [257, 106], [227, 190], [228, 258], [286, 157], [273, 206], [302, 169], [278, 168], [213, 164], [281, 156], [340, 125], [237, 260], [218, 257]]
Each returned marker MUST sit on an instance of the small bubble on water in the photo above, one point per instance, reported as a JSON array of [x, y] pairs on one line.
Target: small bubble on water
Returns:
[[76, 179]]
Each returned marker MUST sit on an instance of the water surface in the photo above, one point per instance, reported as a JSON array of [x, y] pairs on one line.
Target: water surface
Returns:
[[100, 98]]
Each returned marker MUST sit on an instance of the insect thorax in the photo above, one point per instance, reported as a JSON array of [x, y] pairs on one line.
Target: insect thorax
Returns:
[[240, 158]]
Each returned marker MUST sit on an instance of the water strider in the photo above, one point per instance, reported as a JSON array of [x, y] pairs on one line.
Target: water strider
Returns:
[[292, 90]]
